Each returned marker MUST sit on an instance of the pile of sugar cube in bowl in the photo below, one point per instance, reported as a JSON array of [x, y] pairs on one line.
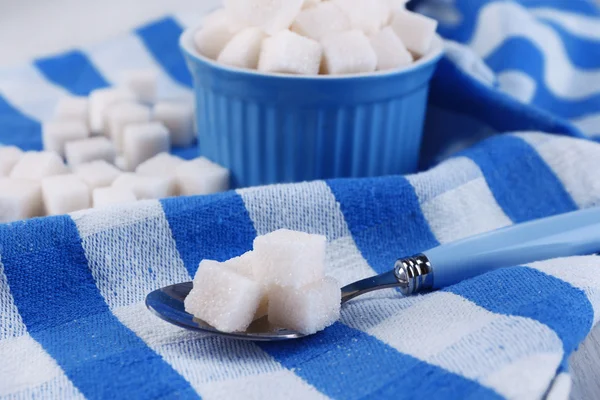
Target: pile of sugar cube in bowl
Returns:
[[113, 147]]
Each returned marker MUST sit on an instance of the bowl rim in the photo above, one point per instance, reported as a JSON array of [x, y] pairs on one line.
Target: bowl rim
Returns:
[[186, 43]]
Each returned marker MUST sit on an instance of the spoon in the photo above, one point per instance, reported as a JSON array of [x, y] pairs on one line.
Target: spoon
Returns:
[[571, 234]]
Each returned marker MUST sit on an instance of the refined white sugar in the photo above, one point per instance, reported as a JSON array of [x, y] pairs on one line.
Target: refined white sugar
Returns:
[[391, 52], [146, 187], [99, 102], [271, 16], [121, 115], [9, 156], [215, 34], [289, 258], [142, 82], [243, 50], [97, 174], [143, 141], [287, 52], [88, 150], [320, 20], [163, 164], [348, 53], [64, 194], [244, 265], [178, 117], [365, 15], [35, 166], [308, 309], [72, 108], [57, 133], [121, 164], [222, 297], [415, 30], [201, 176], [20, 199], [108, 196]]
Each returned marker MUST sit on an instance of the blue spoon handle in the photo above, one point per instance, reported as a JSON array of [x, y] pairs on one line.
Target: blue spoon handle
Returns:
[[571, 234]]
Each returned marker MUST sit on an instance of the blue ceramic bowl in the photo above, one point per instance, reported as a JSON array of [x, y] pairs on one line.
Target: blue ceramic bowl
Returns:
[[273, 128]]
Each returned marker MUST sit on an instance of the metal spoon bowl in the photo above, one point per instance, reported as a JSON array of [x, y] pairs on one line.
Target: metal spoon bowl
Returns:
[[167, 304]]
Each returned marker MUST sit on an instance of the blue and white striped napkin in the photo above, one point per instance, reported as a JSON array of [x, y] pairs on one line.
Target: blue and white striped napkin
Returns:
[[72, 319]]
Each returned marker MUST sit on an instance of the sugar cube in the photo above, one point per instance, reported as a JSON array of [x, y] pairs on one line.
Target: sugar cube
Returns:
[[201, 176], [320, 20], [310, 3], [390, 50], [348, 53], [289, 258], [163, 164], [146, 187], [56, 134], [121, 163], [72, 108], [35, 166], [397, 4], [97, 174], [271, 16], [108, 196], [142, 82], [243, 49], [88, 150], [287, 52], [100, 100], [365, 15], [121, 115], [9, 156], [20, 199], [222, 297], [143, 141], [64, 194], [212, 38], [221, 15], [415, 30], [308, 309], [178, 117], [244, 265]]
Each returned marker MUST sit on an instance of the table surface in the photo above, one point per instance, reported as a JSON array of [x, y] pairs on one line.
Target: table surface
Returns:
[[45, 27]]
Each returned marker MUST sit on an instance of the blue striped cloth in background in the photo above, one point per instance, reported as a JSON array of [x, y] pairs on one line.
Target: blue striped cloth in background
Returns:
[[72, 318]]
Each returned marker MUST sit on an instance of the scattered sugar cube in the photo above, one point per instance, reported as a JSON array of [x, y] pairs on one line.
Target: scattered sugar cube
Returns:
[[244, 265], [143, 141], [320, 20], [163, 164], [415, 30], [271, 16], [35, 166], [108, 196], [289, 258], [390, 50], [178, 117], [9, 156], [201, 176], [99, 102], [308, 309], [365, 15], [20, 199], [97, 174], [64, 194], [88, 150], [348, 53], [72, 108], [222, 297], [213, 37], [287, 52], [146, 187], [121, 115], [243, 50], [56, 134], [142, 82]]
